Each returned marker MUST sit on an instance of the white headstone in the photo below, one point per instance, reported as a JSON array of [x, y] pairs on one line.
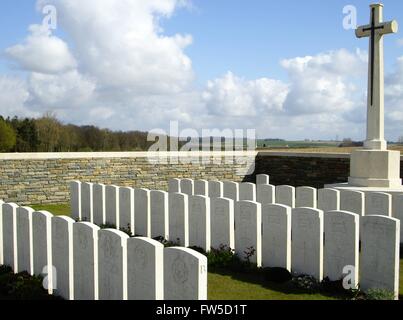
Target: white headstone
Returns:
[[341, 245], [185, 275], [10, 249], [379, 263], [222, 223], [112, 206], [285, 195], [201, 188], [1, 232], [265, 194], [145, 263], [142, 215], [248, 231], [215, 189], [75, 199], [99, 206], [262, 179], [126, 209], [62, 256], [276, 241], [112, 264], [174, 186], [307, 242], [231, 190], [187, 186], [378, 203], [328, 200], [306, 197], [398, 212], [199, 222], [87, 200], [159, 214], [85, 241], [179, 219], [352, 201], [24, 240], [42, 245], [247, 191]]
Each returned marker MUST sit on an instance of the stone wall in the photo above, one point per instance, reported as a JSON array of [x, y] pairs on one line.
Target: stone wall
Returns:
[[43, 178], [313, 170]]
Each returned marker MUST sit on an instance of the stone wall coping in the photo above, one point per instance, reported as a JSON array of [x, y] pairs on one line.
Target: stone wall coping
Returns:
[[112, 155]]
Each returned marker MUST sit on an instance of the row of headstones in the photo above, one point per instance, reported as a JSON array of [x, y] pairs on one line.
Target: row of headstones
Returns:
[[327, 199], [154, 214], [306, 240], [83, 262], [212, 222]]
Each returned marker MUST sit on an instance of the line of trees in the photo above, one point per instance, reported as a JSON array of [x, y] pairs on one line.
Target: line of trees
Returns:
[[47, 134]]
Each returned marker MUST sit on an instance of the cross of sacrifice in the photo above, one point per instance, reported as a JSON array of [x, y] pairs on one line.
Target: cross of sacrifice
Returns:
[[376, 99]]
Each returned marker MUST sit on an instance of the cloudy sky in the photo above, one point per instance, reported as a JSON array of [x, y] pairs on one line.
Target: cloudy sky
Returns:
[[288, 69]]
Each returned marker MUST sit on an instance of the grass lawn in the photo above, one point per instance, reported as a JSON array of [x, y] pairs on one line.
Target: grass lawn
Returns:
[[55, 209], [249, 287], [233, 286]]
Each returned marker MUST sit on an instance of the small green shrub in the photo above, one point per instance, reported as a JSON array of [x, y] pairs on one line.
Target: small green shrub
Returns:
[[168, 244], [249, 253], [225, 258], [379, 294], [306, 283], [222, 257], [5, 270], [127, 230], [22, 286]]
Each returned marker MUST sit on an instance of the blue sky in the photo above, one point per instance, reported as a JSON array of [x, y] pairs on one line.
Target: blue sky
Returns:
[[234, 44], [247, 37], [251, 37]]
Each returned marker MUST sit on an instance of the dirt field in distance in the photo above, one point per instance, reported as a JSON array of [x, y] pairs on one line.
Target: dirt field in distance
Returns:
[[324, 150]]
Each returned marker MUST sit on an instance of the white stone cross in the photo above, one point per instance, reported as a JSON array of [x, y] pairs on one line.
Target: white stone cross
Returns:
[[376, 100]]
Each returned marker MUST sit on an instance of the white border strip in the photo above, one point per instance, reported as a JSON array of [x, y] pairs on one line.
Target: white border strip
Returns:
[[112, 155]]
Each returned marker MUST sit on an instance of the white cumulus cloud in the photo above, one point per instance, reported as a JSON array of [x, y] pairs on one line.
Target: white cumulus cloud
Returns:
[[42, 52], [323, 83], [121, 43], [13, 97], [68, 90], [120, 69], [234, 96]]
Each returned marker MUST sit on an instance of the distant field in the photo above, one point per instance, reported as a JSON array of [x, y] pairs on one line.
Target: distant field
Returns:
[[295, 144], [311, 150], [310, 147]]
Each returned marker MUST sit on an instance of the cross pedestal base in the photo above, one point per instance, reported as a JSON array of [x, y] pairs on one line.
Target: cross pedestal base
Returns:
[[376, 145], [366, 190], [375, 169]]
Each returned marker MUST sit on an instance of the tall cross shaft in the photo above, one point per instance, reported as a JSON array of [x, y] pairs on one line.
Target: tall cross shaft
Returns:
[[376, 100]]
